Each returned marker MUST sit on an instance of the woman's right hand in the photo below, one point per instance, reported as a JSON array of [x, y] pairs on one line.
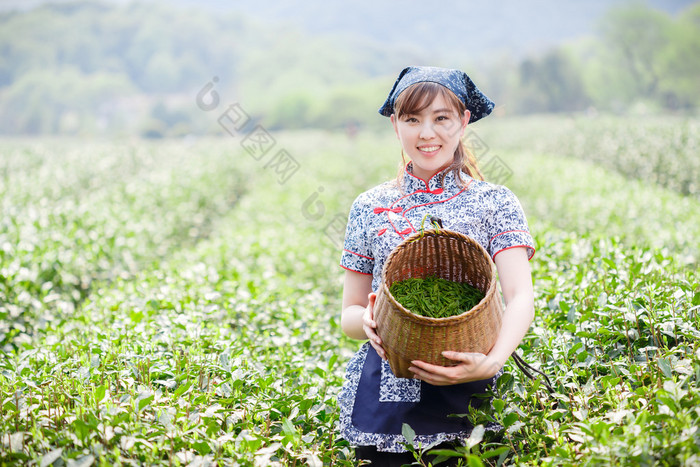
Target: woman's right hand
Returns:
[[370, 326]]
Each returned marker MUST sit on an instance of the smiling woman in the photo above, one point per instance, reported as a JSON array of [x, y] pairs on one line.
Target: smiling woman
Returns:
[[430, 109], [430, 129]]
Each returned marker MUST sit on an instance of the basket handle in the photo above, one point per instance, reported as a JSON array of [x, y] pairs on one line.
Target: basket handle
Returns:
[[436, 220], [524, 367]]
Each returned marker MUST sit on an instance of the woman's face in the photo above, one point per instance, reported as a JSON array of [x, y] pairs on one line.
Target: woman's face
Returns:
[[430, 137]]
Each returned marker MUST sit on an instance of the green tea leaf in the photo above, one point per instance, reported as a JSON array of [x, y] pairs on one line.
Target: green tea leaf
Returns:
[[435, 297], [51, 457], [408, 433], [476, 436], [202, 447], [665, 367], [100, 392], [495, 452], [144, 402]]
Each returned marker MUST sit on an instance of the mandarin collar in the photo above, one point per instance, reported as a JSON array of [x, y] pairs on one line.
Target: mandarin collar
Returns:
[[412, 183]]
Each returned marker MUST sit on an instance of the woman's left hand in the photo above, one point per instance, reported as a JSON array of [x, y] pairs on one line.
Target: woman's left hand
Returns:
[[473, 366]]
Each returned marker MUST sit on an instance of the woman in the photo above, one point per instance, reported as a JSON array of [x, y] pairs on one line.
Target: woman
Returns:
[[429, 109]]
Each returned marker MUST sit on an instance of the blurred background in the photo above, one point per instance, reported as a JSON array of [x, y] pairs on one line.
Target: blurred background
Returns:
[[117, 68]]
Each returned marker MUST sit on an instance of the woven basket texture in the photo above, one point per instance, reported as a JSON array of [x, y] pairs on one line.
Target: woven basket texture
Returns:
[[407, 336]]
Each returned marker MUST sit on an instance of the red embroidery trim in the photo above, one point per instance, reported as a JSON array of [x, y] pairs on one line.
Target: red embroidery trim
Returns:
[[381, 232], [359, 272], [527, 247], [508, 231], [427, 183], [358, 254], [397, 209], [435, 202], [437, 191]]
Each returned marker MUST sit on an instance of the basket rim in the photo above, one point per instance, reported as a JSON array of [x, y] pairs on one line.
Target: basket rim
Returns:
[[450, 320]]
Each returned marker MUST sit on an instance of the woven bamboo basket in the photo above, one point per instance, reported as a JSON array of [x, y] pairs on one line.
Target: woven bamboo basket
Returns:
[[407, 336]]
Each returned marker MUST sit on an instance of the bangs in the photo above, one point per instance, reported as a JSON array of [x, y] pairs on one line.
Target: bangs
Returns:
[[417, 97]]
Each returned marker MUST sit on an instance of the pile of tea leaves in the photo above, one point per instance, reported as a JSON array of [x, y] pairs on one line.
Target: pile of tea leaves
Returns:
[[435, 297]]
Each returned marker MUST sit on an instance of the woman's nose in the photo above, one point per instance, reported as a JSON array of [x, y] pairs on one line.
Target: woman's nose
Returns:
[[427, 131]]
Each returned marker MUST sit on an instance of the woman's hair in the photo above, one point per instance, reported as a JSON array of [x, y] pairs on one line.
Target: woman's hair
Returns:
[[418, 97]]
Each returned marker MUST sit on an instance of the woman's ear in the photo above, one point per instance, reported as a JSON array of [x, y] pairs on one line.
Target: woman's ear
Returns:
[[393, 122], [465, 120]]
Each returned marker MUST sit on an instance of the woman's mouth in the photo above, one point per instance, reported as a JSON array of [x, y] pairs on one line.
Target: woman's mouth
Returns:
[[429, 150]]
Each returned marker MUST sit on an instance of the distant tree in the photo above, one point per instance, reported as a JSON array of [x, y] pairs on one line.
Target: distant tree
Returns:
[[38, 101], [638, 35], [550, 84], [680, 84]]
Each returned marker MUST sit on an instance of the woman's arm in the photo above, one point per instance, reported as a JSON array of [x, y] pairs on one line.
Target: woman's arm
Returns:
[[357, 320], [516, 284]]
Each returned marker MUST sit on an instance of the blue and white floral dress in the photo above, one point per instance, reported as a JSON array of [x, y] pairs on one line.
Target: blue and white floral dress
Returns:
[[373, 402]]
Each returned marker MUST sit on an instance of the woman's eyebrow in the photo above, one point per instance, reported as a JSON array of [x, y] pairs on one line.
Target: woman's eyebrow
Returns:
[[437, 111]]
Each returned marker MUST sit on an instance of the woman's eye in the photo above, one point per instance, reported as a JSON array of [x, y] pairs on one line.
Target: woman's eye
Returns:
[[442, 118], [411, 120]]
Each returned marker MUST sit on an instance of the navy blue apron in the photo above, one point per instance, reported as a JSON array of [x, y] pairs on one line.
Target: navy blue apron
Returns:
[[428, 416]]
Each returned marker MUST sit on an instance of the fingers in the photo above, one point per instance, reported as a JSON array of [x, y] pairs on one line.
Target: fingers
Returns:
[[375, 341], [379, 349], [369, 326], [372, 297], [473, 366], [368, 315], [368, 321], [466, 357], [424, 367], [372, 335], [422, 371]]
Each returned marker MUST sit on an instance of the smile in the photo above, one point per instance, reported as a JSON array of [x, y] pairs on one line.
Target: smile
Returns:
[[429, 148]]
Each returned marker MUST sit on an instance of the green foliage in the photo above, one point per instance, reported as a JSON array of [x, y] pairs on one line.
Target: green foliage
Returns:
[[643, 60], [136, 68], [63, 101], [435, 297], [209, 331], [660, 150], [650, 56], [551, 84], [94, 68], [73, 218]]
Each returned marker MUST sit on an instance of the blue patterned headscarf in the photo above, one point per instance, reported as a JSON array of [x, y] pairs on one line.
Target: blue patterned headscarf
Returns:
[[456, 81]]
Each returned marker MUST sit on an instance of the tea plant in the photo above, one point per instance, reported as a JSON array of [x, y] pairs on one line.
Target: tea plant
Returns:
[[175, 304], [660, 150]]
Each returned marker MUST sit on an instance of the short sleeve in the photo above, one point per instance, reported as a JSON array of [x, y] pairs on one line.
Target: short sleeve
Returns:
[[507, 225], [357, 254]]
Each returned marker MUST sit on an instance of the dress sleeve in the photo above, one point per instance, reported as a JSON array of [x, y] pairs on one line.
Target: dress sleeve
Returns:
[[507, 225], [357, 254]]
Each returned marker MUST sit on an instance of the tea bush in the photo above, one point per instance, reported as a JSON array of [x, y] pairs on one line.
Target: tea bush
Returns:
[[176, 303]]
